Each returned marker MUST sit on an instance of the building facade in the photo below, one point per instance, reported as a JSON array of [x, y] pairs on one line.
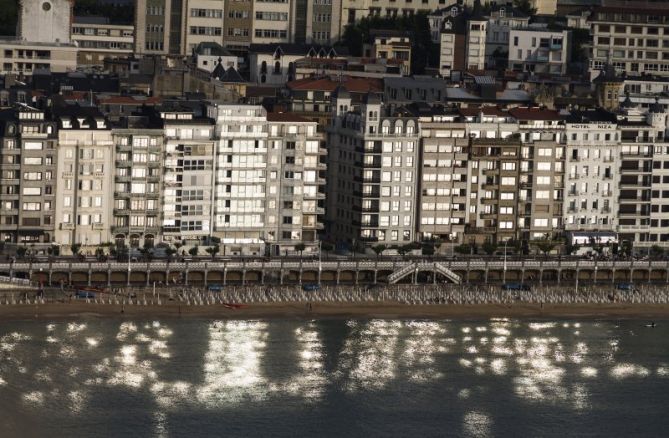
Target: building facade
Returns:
[[539, 51], [97, 40], [28, 181], [85, 173]]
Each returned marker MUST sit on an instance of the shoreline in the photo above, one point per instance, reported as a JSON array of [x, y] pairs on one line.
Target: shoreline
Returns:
[[376, 310]]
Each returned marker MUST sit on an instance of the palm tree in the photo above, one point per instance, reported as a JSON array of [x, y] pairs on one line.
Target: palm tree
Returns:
[[300, 247], [213, 250], [378, 249]]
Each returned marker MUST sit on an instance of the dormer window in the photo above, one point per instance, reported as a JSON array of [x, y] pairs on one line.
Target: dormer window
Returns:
[[454, 11]]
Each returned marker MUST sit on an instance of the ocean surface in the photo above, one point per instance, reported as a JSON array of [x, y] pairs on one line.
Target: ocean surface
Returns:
[[333, 378]]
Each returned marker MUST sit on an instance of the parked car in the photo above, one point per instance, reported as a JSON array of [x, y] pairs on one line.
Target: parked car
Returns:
[[215, 288], [626, 287], [310, 287]]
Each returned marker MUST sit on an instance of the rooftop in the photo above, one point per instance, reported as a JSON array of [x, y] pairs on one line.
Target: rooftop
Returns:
[[352, 84], [534, 113]]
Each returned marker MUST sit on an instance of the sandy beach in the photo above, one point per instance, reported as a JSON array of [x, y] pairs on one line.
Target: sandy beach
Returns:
[[387, 310]]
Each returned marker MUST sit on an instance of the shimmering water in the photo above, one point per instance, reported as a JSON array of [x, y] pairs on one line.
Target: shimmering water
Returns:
[[202, 378]]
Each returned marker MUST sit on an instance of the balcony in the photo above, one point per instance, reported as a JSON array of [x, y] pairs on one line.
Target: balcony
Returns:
[[98, 226], [66, 226], [367, 180]]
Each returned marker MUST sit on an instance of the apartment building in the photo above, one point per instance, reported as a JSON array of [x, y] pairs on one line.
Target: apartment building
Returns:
[[97, 40], [632, 36], [443, 177], [539, 51], [27, 183], [272, 21], [268, 179], [642, 217], [494, 175], [275, 64], [391, 45], [541, 188], [202, 22], [502, 19], [372, 169], [138, 176], [592, 171], [296, 170], [354, 10], [19, 57], [158, 29], [84, 173], [238, 25], [188, 180], [321, 22], [462, 41]]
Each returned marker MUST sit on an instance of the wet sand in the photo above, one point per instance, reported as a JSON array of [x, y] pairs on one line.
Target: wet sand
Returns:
[[386, 310]]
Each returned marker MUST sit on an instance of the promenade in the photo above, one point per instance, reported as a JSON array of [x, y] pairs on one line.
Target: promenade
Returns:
[[358, 271]]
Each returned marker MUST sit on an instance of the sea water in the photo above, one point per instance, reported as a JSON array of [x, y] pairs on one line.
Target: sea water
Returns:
[[333, 378]]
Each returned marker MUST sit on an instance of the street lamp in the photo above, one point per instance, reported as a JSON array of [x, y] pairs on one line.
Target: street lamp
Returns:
[[320, 261], [506, 242]]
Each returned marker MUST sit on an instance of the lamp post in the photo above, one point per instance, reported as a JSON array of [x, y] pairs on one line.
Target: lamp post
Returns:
[[506, 242], [320, 261]]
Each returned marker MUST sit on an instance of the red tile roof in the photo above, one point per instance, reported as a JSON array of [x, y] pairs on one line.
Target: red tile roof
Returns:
[[352, 85]]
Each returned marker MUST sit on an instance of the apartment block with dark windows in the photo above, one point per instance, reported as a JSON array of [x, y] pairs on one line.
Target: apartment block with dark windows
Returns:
[[28, 157]]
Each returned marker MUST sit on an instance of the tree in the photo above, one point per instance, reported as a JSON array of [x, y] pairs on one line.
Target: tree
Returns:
[[525, 6], [403, 250], [656, 251], [100, 254], [194, 250], [378, 249], [213, 250], [21, 252], [427, 249], [169, 251], [463, 249], [75, 248], [300, 247], [489, 248], [545, 245], [327, 247]]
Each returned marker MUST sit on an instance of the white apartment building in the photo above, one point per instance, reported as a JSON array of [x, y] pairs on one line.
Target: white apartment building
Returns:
[[502, 19], [592, 174], [631, 37], [272, 21], [442, 184], [97, 40], [539, 51], [188, 195], [462, 43], [138, 176], [84, 193], [202, 23], [267, 180], [476, 42]]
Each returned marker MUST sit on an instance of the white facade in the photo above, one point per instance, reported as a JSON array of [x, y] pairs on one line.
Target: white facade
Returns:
[[84, 193], [24, 57], [272, 22], [98, 41], [476, 42], [500, 24], [45, 21], [539, 51], [189, 178], [202, 22], [592, 176], [266, 181]]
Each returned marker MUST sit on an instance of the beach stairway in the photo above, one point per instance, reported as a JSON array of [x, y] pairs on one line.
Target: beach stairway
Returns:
[[412, 267]]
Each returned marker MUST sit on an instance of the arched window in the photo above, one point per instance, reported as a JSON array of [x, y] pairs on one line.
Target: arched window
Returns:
[[399, 127], [263, 67], [277, 68]]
